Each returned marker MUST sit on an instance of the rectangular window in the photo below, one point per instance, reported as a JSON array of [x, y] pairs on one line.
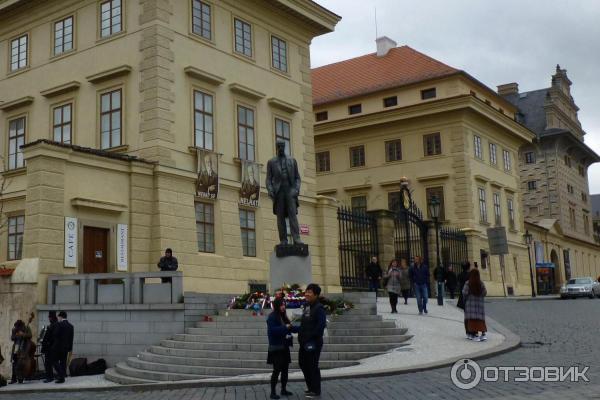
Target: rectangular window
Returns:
[[243, 38], [428, 94], [390, 101], [16, 227], [493, 154], [507, 160], [359, 204], [357, 156], [572, 219], [393, 150], [201, 19], [62, 125], [63, 36], [568, 161], [110, 119], [511, 213], [581, 170], [16, 139], [432, 144], [531, 185], [570, 189], [477, 147], [584, 197], [279, 54], [323, 162], [205, 227], [586, 223], [497, 209], [246, 133], [530, 157], [439, 193], [248, 228], [203, 121], [355, 109], [282, 134], [482, 205], [394, 201], [322, 116], [18, 52], [110, 18]]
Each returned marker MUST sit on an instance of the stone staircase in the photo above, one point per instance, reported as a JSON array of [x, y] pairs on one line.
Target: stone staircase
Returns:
[[235, 343]]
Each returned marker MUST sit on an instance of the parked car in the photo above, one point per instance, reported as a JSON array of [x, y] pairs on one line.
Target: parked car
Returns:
[[580, 287]]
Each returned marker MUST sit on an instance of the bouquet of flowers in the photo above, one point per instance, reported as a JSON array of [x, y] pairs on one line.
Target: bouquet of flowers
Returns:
[[250, 301]]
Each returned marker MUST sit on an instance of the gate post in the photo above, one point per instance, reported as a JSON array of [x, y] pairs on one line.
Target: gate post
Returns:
[[385, 236]]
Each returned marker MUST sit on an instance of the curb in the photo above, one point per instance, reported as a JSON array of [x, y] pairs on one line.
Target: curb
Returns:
[[511, 342]]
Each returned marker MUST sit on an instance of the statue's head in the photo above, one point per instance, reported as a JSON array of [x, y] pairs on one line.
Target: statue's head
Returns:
[[280, 148], [208, 163]]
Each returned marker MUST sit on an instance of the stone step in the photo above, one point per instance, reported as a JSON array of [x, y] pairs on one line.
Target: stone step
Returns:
[[389, 339], [375, 331], [256, 355], [127, 369], [263, 339], [193, 370], [112, 375], [333, 324], [262, 347], [231, 362], [350, 317]]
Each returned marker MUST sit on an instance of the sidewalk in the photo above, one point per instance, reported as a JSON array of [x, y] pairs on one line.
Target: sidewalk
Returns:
[[438, 340]]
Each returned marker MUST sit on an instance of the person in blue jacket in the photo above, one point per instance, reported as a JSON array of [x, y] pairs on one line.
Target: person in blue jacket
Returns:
[[279, 330]]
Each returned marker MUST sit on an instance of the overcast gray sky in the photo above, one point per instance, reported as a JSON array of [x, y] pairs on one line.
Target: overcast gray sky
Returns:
[[495, 41]]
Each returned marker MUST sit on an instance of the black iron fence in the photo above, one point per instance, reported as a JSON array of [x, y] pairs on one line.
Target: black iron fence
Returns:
[[453, 248], [410, 233], [358, 243]]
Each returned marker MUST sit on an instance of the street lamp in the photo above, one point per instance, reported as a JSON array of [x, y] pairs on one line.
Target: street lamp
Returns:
[[529, 240], [434, 213]]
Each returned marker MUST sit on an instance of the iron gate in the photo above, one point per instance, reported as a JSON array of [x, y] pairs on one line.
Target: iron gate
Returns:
[[358, 243], [410, 231], [453, 248]]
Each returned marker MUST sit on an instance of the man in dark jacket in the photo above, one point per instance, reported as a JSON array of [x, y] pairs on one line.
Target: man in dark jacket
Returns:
[[310, 338], [62, 345], [451, 283], [47, 341], [420, 279], [373, 273], [440, 277], [168, 263]]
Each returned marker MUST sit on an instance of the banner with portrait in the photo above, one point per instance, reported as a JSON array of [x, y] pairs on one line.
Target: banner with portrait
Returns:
[[207, 185], [250, 190]]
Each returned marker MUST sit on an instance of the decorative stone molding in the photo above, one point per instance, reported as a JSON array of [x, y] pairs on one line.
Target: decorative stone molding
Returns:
[[20, 102], [204, 76], [61, 89], [98, 204], [283, 105], [109, 74], [246, 91]]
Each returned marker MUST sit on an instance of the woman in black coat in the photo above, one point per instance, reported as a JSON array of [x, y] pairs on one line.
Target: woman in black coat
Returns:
[[279, 330], [463, 277]]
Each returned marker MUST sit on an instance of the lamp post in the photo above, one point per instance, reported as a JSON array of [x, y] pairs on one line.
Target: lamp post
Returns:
[[434, 213], [529, 239]]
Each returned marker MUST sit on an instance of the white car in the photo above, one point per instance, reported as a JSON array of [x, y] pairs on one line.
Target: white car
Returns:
[[580, 287]]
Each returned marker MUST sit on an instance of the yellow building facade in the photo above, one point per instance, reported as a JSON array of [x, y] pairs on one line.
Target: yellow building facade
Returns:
[[449, 135], [112, 101]]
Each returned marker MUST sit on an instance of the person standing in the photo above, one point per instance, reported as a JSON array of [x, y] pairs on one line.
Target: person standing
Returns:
[[392, 278], [420, 278], [440, 277], [404, 279], [47, 341], [451, 283], [62, 345], [474, 293], [310, 338], [279, 330], [462, 279], [168, 263], [373, 274], [20, 335]]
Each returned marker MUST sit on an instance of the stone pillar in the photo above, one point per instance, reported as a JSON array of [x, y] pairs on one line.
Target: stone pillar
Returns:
[[140, 219], [328, 270], [385, 236]]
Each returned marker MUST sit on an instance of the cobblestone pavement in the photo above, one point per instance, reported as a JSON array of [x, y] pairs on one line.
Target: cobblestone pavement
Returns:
[[553, 333]]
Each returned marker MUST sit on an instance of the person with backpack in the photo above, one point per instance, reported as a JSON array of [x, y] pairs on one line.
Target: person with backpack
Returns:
[[474, 293], [279, 331]]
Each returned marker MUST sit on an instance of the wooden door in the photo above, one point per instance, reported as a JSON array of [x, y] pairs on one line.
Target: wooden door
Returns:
[[95, 250]]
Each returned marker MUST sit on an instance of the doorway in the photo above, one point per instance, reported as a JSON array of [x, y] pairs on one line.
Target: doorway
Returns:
[[95, 250]]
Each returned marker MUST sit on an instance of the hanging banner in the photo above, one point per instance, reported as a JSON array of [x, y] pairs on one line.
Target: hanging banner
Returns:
[[539, 252], [207, 185], [122, 231], [250, 190], [70, 242]]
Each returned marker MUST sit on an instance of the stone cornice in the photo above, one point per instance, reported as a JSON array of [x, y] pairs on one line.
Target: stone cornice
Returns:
[[64, 88], [204, 76], [20, 102], [98, 204], [246, 91], [109, 74], [323, 20], [283, 105]]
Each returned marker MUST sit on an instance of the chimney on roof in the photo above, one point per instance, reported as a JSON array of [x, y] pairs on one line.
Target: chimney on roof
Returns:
[[508, 88], [384, 45]]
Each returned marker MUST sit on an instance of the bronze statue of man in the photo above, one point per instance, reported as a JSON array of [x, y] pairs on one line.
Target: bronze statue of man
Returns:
[[283, 186]]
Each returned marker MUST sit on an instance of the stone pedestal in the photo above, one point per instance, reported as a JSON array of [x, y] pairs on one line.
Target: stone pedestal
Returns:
[[289, 270]]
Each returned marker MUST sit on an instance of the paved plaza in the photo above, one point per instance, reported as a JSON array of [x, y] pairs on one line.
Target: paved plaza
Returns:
[[553, 333]]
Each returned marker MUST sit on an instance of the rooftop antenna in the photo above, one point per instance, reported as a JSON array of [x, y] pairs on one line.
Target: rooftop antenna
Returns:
[[376, 31]]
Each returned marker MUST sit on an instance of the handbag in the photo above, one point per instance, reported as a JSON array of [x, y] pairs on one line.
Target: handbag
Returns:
[[461, 302]]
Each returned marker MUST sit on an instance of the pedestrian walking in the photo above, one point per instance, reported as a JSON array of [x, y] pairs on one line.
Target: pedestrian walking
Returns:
[[462, 279], [420, 279], [310, 338], [392, 280], [62, 345], [373, 273], [474, 293], [47, 341], [451, 282], [404, 279], [440, 277], [279, 330]]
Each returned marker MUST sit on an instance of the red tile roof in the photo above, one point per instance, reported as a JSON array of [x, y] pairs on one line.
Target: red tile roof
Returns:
[[367, 74]]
